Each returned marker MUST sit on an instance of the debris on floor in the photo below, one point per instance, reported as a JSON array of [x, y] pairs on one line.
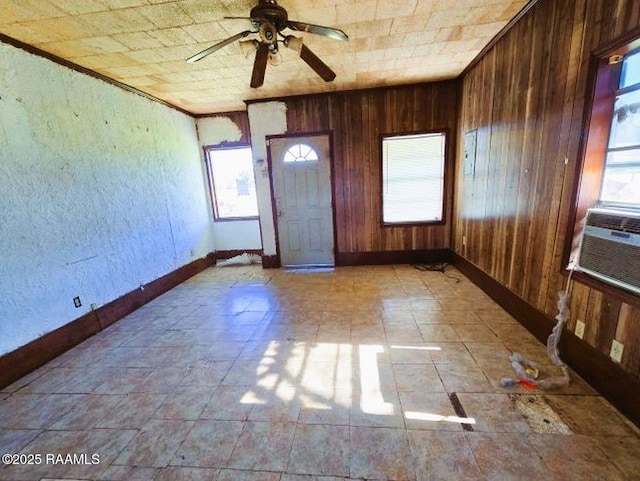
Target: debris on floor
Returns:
[[243, 259], [541, 417], [528, 372]]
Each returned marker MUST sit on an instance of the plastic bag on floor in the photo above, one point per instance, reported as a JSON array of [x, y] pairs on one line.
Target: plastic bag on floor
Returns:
[[528, 371]]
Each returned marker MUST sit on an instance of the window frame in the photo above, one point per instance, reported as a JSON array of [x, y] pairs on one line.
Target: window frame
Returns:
[[601, 88], [635, 88], [445, 177], [208, 150]]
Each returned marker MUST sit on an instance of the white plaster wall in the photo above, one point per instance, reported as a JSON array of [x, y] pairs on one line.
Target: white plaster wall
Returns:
[[102, 191], [229, 235], [215, 130], [237, 235], [266, 118]]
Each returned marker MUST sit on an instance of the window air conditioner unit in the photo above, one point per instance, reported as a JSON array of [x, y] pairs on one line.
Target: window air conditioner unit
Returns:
[[610, 248]]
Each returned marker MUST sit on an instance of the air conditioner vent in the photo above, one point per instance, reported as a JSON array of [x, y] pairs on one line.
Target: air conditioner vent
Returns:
[[610, 248], [631, 225], [611, 259], [605, 221]]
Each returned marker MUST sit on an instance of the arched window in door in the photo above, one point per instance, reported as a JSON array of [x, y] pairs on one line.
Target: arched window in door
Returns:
[[300, 153]]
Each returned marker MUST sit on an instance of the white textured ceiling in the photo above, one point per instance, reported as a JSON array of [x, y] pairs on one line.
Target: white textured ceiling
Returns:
[[144, 43]]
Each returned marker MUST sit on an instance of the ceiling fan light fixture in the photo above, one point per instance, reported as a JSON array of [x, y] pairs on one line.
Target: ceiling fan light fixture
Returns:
[[294, 43], [248, 47], [275, 58]]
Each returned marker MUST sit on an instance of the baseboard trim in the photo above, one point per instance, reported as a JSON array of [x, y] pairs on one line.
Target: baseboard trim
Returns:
[[392, 257], [228, 254], [16, 364], [271, 262], [608, 378]]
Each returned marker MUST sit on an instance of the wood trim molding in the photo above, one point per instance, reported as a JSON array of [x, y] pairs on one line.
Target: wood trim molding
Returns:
[[295, 135], [499, 36], [79, 68], [274, 260], [622, 45], [608, 378], [225, 144], [392, 257], [16, 364], [271, 262], [220, 114], [372, 258]]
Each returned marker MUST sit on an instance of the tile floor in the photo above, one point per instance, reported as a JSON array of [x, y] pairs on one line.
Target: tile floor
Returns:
[[353, 373]]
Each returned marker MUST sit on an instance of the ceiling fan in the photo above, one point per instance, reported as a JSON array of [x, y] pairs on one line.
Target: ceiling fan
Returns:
[[268, 20]]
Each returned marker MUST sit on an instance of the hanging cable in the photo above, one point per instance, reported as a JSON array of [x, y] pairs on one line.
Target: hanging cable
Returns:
[[436, 267]]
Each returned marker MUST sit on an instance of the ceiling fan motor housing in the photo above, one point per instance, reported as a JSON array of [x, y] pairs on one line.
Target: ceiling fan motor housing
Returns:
[[271, 11], [268, 33]]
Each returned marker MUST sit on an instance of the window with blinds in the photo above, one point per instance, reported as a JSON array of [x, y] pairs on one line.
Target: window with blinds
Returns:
[[413, 178]]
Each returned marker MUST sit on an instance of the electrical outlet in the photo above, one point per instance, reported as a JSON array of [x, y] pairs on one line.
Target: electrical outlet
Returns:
[[464, 241], [616, 351], [580, 329], [77, 302], [94, 306]]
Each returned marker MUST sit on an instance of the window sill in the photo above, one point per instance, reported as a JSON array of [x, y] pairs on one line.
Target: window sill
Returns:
[[234, 219], [414, 224]]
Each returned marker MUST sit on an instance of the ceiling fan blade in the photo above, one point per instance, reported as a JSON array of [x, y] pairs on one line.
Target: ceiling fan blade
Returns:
[[316, 64], [330, 32], [259, 66], [218, 46]]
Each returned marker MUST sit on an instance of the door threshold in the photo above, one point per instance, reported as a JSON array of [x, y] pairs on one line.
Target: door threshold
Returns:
[[309, 268]]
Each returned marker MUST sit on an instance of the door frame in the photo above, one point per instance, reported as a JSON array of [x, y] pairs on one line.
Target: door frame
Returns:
[[274, 208]]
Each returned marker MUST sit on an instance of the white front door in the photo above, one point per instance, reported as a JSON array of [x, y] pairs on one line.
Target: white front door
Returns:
[[301, 171]]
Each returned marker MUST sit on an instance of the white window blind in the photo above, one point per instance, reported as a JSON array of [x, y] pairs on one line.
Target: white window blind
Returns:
[[413, 178]]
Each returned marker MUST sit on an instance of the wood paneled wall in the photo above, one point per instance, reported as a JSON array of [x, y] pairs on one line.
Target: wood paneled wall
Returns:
[[356, 120], [527, 97]]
